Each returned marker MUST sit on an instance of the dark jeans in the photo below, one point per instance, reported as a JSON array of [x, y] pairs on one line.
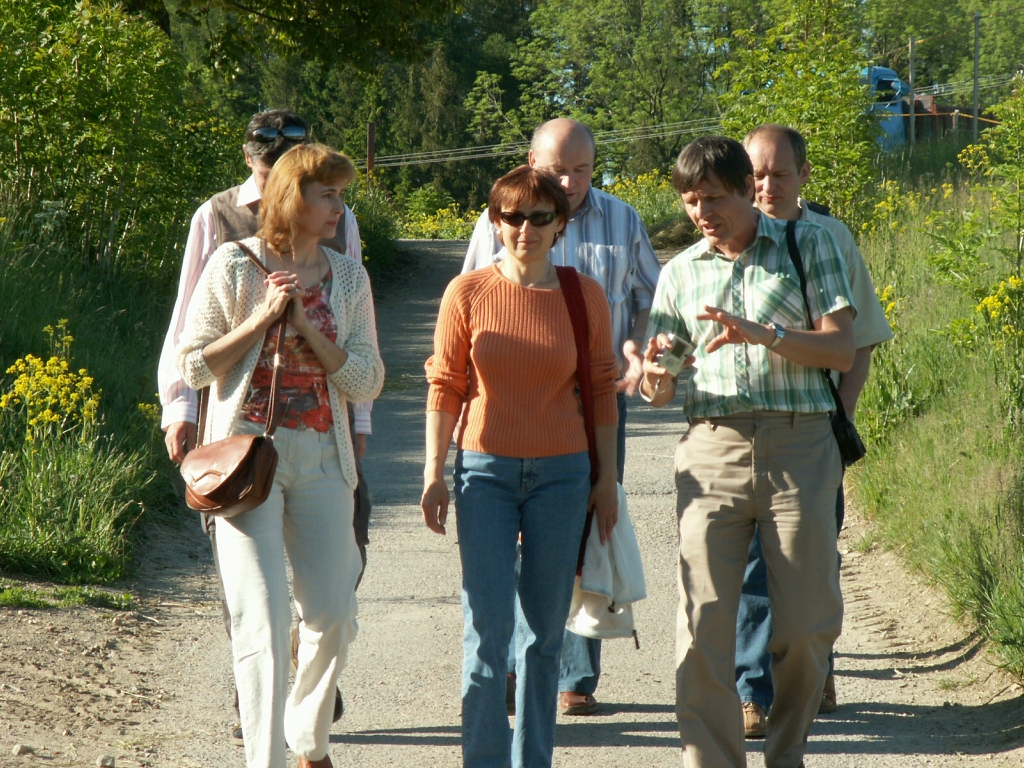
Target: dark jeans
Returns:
[[754, 625]]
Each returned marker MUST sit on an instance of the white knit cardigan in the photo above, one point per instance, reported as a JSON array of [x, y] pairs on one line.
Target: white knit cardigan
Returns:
[[230, 289]]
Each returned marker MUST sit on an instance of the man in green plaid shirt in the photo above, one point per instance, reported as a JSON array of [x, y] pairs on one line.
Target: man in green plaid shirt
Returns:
[[759, 450]]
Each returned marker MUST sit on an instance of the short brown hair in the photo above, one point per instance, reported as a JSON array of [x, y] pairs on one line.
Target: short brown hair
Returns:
[[530, 184], [724, 158], [776, 131], [282, 199]]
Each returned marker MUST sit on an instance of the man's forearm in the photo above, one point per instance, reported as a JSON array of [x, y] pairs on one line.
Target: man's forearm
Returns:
[[638, 331], [852, 382]]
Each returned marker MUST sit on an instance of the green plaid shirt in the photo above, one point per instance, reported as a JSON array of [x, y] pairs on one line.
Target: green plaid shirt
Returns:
[[761, 285]]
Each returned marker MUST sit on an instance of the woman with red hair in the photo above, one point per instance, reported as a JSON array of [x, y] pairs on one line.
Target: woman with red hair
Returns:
[[329, 357]]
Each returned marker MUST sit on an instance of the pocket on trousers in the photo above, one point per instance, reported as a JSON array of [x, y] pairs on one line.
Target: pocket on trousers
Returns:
[[330, 460]]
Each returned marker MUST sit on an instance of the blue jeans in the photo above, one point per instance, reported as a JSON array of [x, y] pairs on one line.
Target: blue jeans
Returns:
[[496, 499], [580, 667], [754, 625]]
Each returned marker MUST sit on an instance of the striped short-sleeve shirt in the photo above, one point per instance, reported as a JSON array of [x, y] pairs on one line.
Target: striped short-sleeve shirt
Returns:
[[761, 285]]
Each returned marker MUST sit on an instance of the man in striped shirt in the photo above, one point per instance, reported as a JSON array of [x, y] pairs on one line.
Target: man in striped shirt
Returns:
[[606, 240], [759, 450]]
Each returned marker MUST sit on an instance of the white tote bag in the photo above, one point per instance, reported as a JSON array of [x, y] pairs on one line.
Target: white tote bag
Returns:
[[612, 580]]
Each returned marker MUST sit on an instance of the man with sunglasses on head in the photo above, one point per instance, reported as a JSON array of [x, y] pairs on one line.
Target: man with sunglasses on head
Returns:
[[234, 215], [605, 240]]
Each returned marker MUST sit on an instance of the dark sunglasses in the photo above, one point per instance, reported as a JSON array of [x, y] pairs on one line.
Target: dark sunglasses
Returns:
[[268, 134], [538, 219]]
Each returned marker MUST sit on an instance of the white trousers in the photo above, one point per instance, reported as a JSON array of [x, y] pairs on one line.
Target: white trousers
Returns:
[[308, 516]]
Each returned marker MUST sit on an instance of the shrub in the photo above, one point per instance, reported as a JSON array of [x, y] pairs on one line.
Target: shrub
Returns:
[[97, 119], [378, 224], [448, 223], [70, 495], [652, 196]]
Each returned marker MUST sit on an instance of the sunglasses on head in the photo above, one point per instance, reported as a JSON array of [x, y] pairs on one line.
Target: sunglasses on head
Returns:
[[268, 134], [538, 219]]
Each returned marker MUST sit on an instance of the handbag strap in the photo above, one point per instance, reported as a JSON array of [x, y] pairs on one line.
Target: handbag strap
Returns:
[[572, 291], [272, 416], [794, 255]]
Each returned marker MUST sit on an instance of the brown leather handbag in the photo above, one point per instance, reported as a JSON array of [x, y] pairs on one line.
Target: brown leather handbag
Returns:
[[228, 477]]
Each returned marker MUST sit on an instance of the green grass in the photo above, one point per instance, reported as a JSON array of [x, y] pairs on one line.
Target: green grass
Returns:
[[68, 507], [14, 596], [943, 482]]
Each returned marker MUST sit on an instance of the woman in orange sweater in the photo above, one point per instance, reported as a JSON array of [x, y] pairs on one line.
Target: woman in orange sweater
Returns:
[[505, 359]]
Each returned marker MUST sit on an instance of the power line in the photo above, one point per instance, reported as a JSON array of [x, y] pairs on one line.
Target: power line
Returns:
[[987, 83], [661, 131], [488, 151]]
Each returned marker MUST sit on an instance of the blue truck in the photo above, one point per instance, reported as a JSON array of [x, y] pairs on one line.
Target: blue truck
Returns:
[[890, 94]]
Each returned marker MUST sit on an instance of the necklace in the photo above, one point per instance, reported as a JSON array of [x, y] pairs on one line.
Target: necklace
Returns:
[[534, 284]]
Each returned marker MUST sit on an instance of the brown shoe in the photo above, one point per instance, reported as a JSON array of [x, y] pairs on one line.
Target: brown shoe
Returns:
[[829, 704], [755, 720], [510, 693], [572, 703], [323, 762]]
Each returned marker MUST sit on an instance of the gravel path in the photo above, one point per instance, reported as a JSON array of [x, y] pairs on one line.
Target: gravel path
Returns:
[[151, 688]]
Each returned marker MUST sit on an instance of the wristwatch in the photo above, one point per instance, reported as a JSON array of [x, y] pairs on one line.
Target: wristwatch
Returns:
[[780, 334]]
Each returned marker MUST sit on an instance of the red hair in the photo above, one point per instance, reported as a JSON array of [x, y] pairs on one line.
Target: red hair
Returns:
[[282, 201], [530, 184]]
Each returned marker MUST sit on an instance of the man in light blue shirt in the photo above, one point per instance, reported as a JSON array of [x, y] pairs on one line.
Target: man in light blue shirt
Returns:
[[606, 240]]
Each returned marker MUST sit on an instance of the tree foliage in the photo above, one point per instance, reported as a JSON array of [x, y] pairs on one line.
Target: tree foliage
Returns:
[[97, 122], [356, 32], [805, 73]]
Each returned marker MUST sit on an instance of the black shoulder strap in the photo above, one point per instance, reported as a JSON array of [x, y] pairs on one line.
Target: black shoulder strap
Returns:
[[817, 208], [798, 264]]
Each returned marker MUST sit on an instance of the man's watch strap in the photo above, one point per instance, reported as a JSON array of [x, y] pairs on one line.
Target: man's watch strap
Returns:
[[780, 334]]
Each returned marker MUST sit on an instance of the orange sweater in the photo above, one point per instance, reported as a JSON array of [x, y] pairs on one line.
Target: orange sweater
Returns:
[[507, 353]]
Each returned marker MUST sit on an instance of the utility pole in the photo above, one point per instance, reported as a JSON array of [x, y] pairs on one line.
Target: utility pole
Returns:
[[912, 136], [977, 57], [371, 147]]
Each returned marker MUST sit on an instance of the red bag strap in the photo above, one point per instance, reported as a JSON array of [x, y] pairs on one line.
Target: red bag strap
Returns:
[[573, 292], [577, 306], [272, 416]]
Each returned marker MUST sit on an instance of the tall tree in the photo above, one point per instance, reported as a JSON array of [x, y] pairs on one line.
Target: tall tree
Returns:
[[356, 32], [805, 73]]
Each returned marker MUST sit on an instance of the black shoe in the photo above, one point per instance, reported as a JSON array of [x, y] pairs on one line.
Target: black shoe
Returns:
[[236, 736], [339, 706]]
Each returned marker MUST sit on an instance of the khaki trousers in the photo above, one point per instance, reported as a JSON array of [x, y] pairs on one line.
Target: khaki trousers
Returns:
[[781, 471], [308, 517]]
